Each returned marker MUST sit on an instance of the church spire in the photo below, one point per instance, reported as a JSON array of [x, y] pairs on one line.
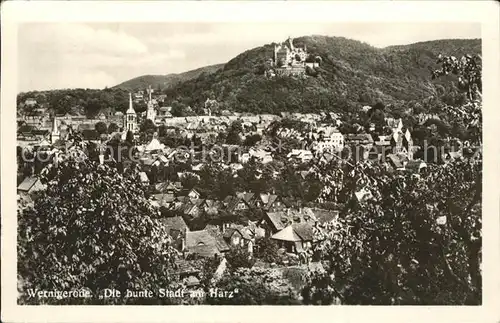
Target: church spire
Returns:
[[55, 135], [54, 125], [130, 106]]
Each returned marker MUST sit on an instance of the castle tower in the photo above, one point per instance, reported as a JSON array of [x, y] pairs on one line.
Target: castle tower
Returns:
[[55, 134], [130, 117]]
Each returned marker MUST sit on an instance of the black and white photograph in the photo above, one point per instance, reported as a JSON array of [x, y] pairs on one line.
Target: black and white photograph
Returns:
[[186, 163]]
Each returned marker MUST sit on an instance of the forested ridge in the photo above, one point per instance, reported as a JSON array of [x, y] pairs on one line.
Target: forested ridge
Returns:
[[352, 74]]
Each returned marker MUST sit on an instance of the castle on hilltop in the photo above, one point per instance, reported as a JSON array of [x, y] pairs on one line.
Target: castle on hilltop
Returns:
[[290, 60], [286, 54]]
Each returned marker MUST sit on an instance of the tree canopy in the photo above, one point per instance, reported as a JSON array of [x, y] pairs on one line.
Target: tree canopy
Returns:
[[92, 228], [417, 240]]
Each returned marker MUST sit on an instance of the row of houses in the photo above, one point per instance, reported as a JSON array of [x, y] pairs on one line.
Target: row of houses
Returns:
[[283, 221]]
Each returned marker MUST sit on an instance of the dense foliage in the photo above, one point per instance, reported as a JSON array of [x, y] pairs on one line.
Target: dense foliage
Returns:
[[417, 240], [160, 82], [87, 102], [256, 286], [92, 228], [239, 258]]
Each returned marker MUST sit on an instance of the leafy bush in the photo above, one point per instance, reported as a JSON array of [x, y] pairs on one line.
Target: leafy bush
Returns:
[[92, 228], [239, 258], [266, 249]]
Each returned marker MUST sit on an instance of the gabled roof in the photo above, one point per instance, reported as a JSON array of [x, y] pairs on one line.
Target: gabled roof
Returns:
[[287, 234], [162, 187], [25, 129], [323, 216], [202, 243], [233, 203], [245, 232], [395, 160], [162, 159], [359, 137], [183, 199], [363, 195], [144, 177], [453, 154], [200, 237], [272, 199], [288, 201], [185, 192], [264, 198], [40, 132], [415, 165], [217, 234], [27, 183], [154, 145], [246, 197], [275, 219], [186, 208], [176, 223], [44, 143], [167, 186], [182, 266], [164, 199], [197, 202], [304, 231]]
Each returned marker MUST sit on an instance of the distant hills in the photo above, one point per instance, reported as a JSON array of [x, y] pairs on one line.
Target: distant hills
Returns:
[[352, 73], [165, 81]]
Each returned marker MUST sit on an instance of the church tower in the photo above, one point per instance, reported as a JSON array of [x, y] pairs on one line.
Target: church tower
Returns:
[[150, 112], [55, 134], [130, 117]]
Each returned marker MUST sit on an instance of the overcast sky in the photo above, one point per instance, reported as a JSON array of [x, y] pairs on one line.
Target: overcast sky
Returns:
[[56, 55]]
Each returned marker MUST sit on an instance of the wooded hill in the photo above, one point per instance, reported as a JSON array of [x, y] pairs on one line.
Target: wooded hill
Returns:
[[165, 81], [352, 74]]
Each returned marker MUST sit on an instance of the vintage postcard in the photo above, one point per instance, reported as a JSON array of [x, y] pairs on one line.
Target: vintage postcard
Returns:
[[165, 161]]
